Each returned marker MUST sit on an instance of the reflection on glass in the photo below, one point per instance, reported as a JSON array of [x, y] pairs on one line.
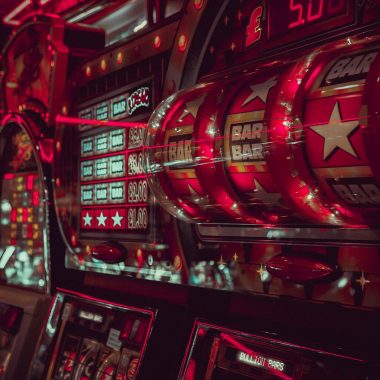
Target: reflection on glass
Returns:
[[21, 213]]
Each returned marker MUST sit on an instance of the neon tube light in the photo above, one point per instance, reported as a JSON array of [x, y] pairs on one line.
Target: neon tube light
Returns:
[[75, 120]]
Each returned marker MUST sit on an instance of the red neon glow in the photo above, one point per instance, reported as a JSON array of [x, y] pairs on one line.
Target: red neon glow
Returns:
[[103, 65], [313, 11], [317, 15], [157, 42], [198, 4], [29, 182], [296, 8], [119, 58], [14, 215], [191, 370], [24, 214], [88, 71], [9, 176], [76, 120], [46, 149], [36, 198], [182, 43]]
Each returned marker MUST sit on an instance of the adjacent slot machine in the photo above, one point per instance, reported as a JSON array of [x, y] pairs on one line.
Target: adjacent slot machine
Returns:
[[266, 157], [34, 56]]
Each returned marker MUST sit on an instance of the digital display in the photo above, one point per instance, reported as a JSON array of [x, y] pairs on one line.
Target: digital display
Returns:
[[291, 15], [114, 191], [258, 360]]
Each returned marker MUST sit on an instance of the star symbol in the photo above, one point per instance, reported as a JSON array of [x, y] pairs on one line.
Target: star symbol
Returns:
[[221, 261], [269, 199], [87, 219], [191, 108], [226, 19], [363, 281], [233, 46], [260, 91], [117, 219], [336, 134], [262, 272], [101, 220], [235, 256]]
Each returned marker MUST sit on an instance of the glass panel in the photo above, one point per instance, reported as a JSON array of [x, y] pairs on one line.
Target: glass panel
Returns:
[[22, 212], [124, 21]]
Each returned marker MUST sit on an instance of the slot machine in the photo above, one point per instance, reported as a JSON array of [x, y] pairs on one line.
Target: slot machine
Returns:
[[36, 53], [111, 325], [267, 158]]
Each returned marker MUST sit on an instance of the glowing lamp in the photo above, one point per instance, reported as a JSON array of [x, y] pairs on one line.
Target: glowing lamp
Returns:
[[119, 58], [198, 4], [103, 65], [157, 42], [177, 263], [182, 43], [88, 71]]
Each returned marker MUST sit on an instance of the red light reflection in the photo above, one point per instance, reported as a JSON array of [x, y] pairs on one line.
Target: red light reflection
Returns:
[[76, 120]]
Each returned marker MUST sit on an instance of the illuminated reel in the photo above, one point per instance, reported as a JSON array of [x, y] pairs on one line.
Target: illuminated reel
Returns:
[[317, 152], [172, 156], [233, 143]]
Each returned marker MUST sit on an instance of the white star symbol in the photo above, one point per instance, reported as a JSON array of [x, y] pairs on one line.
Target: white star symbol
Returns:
[[101, 219], [260, 91], [336, 134], [191, 108], [117, 219], [269, 199], [87, 219]]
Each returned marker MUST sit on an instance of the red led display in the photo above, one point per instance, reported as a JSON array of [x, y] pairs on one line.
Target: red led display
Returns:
[[286, 16]]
